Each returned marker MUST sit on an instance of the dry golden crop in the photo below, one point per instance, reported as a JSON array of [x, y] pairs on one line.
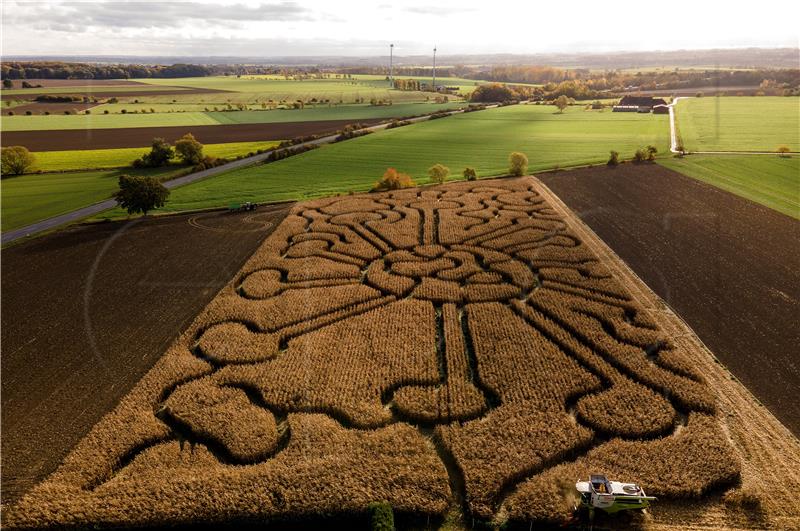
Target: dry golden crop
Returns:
[[396, 346]]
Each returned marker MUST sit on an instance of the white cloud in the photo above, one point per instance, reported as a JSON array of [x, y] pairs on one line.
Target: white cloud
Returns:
[[346, 27]]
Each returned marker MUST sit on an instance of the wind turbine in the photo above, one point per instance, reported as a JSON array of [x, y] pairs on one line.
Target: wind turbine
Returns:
[[434, 68], [391, 65]]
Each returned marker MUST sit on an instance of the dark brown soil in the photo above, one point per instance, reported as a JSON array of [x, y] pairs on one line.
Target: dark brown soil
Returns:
[[87, 311], [728, 266], [98, 92], [143, 136], [78, 82], [52, 108]]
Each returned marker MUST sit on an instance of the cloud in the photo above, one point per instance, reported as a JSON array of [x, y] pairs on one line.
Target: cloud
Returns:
[[73, 16]]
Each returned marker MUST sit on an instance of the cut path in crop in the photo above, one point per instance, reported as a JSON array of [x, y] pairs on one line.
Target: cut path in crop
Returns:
[[728, 266], [87, 311]]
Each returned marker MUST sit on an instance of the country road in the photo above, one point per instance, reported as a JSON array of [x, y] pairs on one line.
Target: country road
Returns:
[[96, 208]]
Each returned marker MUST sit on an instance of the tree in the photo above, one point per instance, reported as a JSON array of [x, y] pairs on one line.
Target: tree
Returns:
[[7, 83], [492, 92], [470, 174], [189, 150], [140, 194], [651, 153], [561, 102], [613, 159], [16, 160], [518, 163], [393, 180], [160, 154], [784, 152], [438, 173]]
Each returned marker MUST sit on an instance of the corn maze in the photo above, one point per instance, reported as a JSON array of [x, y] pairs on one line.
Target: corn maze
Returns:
[[455, 346]]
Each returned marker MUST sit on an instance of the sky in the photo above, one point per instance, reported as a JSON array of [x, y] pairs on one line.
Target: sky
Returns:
[[342, 27]]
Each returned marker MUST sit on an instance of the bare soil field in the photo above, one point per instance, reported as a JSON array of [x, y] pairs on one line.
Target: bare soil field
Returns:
[[470, 348], [100, 93], [52, 108], [87, 311], [143, 136], [78, 82], [728, 266]]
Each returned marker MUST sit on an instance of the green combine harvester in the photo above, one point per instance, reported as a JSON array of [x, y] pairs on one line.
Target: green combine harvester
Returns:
[[611, 496]]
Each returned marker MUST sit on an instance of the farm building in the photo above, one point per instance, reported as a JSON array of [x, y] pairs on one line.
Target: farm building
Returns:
[[661, 109], [638, 104]]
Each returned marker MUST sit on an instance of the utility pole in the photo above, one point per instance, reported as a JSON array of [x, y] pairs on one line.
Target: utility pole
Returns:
[[434, 68], [391, 65]]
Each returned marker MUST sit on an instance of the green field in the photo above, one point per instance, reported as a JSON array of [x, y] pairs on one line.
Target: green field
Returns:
[[767, 179], [739, 123], [480, 139], [263, 88], [30, 198], [118, 158], [97, 120]]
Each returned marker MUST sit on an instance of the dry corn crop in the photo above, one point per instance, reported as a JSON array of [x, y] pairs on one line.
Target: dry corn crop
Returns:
[[375, 348]]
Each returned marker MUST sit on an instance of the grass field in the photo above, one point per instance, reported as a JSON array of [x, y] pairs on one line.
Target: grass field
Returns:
[[97, 120], [118, 158], [480, 139], [739, 123], [30, 198], [263, 88], [770, 180]]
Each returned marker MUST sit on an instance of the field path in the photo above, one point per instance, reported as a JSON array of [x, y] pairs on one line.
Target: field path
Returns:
[[85, 212]]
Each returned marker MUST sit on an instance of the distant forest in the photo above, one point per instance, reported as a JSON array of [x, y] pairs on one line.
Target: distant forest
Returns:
[[578, 83]]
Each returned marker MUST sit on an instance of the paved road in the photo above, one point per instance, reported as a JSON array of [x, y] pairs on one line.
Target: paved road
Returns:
[[85, 212]]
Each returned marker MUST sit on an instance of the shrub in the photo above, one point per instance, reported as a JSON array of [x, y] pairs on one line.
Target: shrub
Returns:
[[105, 111], [189, 150], [640, 155], [381, 516], [16, 160], [784, 152], [393, 180], [140, 194], [87, 111], [518, 163], [28, 113], [613, 158], [160, 154], [10, 113], [470, 174], [651, 153], [438, 173]]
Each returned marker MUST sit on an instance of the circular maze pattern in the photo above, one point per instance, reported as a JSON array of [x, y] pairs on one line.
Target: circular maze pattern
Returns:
[[428, 347]]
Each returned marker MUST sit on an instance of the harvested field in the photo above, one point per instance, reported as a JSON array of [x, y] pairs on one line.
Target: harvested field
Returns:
[[437, 348], [140, 89], [87, 311], [729, 266], [47, 83], [142, 136]]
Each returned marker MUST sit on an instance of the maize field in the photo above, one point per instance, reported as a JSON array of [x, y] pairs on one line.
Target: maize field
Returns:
[[439, 347]]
